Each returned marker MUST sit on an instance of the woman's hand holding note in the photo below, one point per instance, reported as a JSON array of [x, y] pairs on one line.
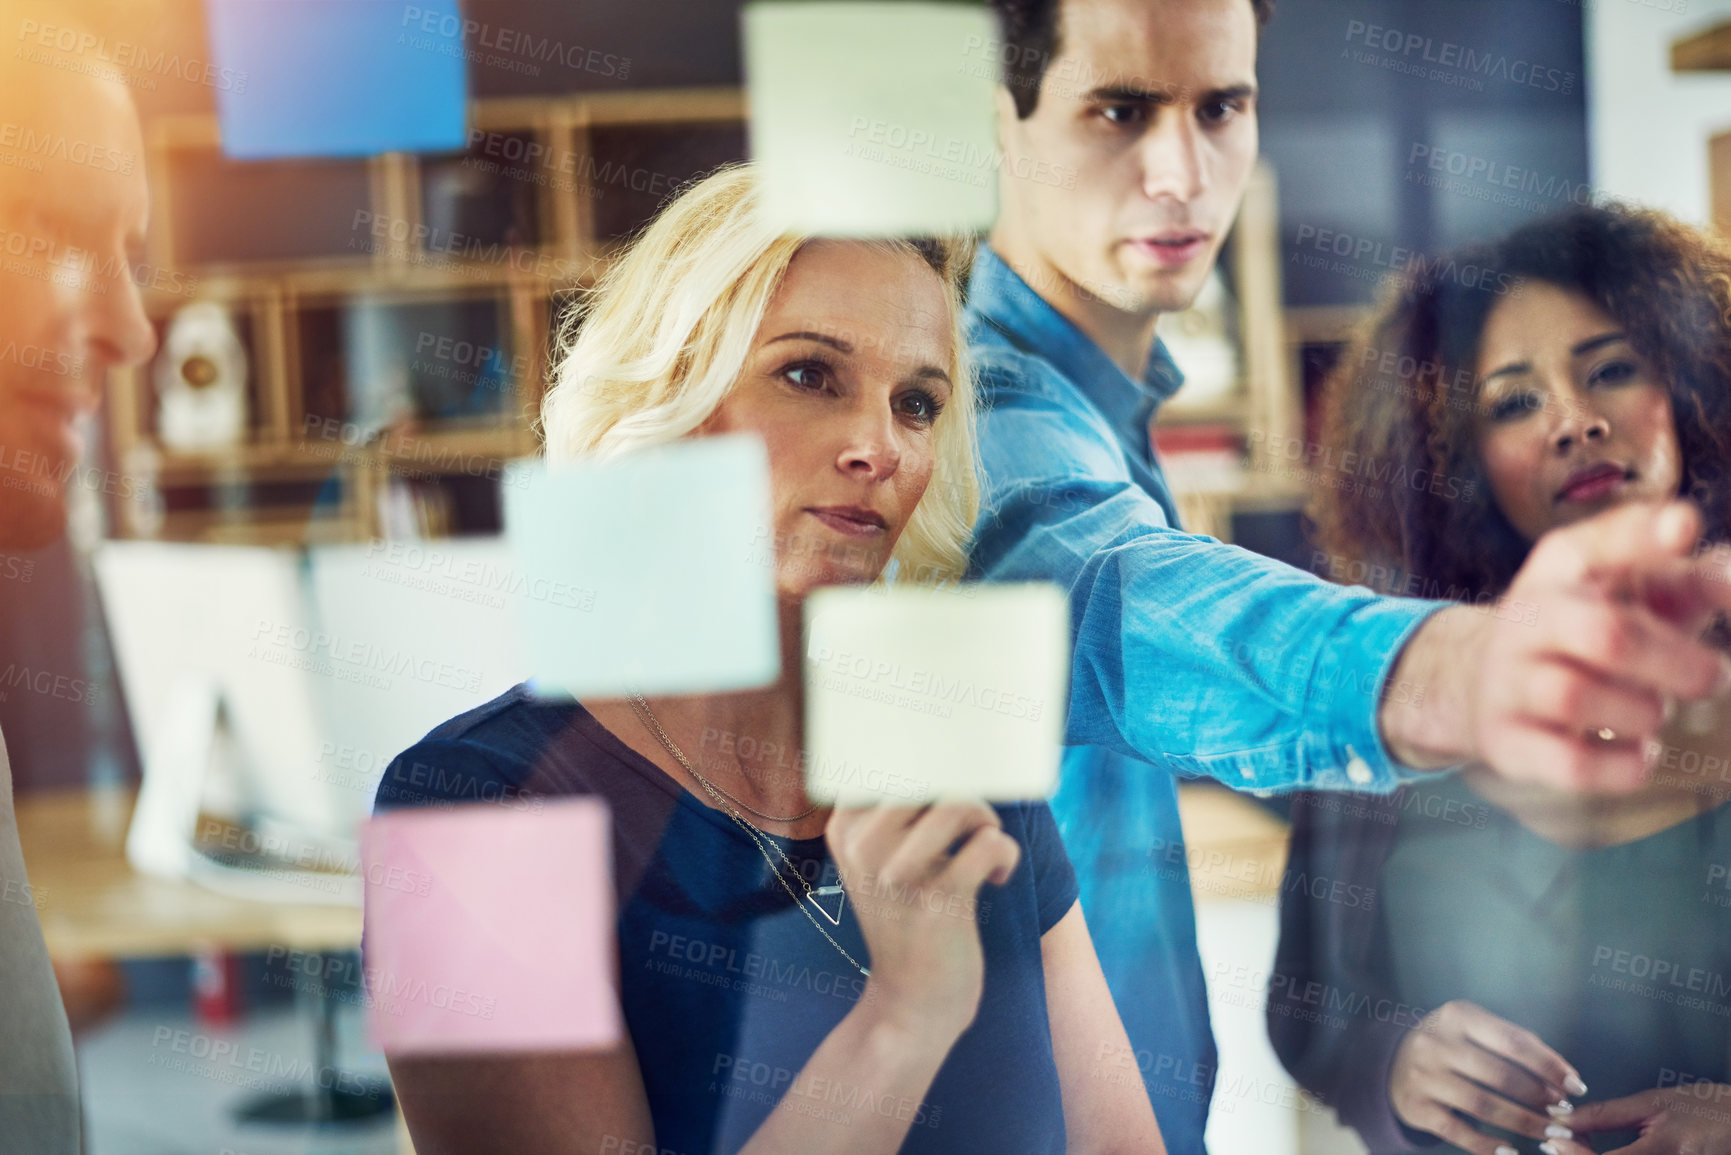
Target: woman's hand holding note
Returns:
[[913, 875]]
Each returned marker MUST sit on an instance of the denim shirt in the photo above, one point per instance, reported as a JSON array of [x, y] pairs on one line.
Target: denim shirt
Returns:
[[1203, 658], [1241, 668]]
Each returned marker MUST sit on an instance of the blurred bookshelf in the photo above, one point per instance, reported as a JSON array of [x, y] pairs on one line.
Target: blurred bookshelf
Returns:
[[398, 313], [1703, 50], [1709, 50]]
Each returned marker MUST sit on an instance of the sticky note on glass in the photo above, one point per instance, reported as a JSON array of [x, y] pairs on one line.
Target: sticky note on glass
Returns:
[[491, 928], [873, 119], [920, 694], [653, 572], [338, 77]]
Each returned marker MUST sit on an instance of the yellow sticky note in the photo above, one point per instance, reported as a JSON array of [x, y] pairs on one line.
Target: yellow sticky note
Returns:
[[873, 119], [918, 694]]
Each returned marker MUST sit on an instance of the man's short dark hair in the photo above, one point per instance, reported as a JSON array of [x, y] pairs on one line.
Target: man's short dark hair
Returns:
[[1029, 30]]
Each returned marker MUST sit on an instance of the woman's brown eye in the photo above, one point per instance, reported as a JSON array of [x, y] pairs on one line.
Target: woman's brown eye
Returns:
[[1614, 373], [922, 407], [1513, 406]]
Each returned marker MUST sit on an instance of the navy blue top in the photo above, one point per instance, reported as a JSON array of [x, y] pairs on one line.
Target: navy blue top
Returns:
[[727, 989], [1618, 956]]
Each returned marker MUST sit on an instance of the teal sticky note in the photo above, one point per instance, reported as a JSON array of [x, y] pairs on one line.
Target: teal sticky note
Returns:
[[653, 572], [873, 119], [916, 694]]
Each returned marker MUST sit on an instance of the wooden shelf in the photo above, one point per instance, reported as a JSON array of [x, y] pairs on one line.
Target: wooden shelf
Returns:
[[1228, 409], [666, 106], [1708, 50], [524, 214], [1265, 398], [254, 461], [558, 175], [1314, 324]]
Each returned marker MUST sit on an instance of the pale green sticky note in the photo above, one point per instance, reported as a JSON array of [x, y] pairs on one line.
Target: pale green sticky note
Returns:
[[873, 119], [653, 572], [916, 694]]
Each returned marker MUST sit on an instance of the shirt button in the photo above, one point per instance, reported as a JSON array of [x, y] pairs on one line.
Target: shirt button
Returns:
[[1358, 770]]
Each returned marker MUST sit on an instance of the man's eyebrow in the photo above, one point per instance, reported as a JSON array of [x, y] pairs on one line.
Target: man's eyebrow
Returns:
[[1167, 94], [1242, 91], [1135, 94], [832, 341]]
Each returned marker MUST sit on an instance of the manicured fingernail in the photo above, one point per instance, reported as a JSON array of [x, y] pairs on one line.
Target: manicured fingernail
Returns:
[[1574, 1086], [1549, 1148], [1558, 1131], [1561, 1109], [1505, 1149]]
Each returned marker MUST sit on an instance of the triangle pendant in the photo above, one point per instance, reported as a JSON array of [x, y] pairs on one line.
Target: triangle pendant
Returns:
[[837, 893]]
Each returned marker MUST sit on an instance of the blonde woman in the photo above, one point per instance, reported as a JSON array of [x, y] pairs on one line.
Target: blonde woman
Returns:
[[875, 980]]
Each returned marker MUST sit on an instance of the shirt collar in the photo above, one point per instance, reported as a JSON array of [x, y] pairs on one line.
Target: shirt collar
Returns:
[[1004, 301]]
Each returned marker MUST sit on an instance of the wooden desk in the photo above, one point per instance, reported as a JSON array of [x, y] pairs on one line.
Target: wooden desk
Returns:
[[93, 904]]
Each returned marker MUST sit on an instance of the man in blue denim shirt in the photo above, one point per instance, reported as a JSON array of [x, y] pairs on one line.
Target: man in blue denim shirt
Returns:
[[1129, 131]]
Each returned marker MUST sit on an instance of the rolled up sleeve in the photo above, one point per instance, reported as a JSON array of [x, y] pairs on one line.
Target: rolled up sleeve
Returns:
[[1189, 653]]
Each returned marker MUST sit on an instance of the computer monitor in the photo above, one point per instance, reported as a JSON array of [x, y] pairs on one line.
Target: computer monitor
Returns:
[[432, 631], [273, 686]]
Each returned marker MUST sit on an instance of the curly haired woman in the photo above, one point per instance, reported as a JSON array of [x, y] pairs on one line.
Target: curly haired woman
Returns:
[[1571, 975]]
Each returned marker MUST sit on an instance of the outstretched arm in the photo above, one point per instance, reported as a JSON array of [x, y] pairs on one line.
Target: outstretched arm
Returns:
[[1211, 660]]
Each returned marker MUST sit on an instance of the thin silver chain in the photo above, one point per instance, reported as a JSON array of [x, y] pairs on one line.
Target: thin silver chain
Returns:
[[644, 715], [642, 708]]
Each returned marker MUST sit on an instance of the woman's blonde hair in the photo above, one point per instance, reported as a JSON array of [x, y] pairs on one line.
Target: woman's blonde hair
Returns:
[[665, 334]]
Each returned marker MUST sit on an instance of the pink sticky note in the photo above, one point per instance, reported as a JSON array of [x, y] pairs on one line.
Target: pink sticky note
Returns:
[[491, 929]]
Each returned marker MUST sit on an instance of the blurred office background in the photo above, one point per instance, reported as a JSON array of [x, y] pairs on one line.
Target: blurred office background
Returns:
[[397, 312]]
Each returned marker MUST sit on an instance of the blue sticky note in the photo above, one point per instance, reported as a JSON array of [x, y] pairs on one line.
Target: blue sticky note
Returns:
[[338, 77], [652, 572]]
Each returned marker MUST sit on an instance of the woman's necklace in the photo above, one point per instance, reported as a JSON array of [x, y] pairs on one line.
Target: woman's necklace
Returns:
[[812, 894], [648, 719]]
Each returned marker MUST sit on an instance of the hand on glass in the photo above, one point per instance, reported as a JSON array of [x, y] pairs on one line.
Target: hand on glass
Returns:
[[1573, 690]]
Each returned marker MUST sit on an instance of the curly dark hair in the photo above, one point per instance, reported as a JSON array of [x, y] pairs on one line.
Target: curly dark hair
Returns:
[[1030, 35], [1404, 397]]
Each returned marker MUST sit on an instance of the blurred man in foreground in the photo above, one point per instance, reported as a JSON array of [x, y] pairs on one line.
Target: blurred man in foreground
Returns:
[[73, 204]]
